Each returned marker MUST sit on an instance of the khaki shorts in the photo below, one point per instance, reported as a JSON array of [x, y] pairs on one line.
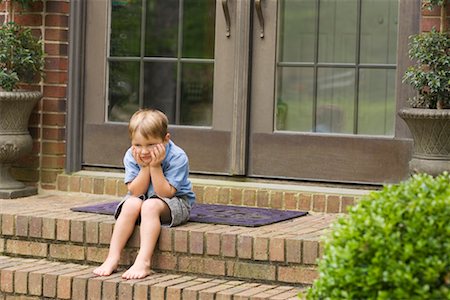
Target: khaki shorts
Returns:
[[179, 208]]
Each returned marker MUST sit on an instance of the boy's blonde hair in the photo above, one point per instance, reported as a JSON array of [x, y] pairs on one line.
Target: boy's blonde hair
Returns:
[[149, 123]]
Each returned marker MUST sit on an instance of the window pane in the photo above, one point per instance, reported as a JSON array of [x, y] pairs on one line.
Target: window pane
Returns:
[[198, 28], [297, 34], [335, 100], [160, 87], [337, 31], [295, 99], [125, 28], [379, 31], [161, 30], [376, 109], [123, 92], [196, 94]]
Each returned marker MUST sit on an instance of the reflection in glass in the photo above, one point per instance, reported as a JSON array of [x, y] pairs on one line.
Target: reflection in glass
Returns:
[[125, 28], [161, 30], [337, 31], [376, 109], [160, 87], [198, 28], [295, 99], [335, 100], [297, 33], [379, 31], [123, 90], [196, 94]]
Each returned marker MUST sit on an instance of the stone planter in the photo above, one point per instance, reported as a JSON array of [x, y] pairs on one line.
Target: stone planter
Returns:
[[15, 140], [430, 129]]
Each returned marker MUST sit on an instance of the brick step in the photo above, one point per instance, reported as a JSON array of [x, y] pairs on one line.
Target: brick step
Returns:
[[43, 226], [316, 197], [42, 278]]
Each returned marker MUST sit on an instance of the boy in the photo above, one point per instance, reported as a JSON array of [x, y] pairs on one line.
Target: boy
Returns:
[[159, 191]]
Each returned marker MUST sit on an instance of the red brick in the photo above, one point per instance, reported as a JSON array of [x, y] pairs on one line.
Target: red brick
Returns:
[[28, 19], [293, 250], [310, 252], [57, 7], [200, 265], [49, 176], [99, 185], [60, 35], [251, 270], [87, 184], [181, 241], [261, 248], [245, 246], [276, 249], [54, 162], [211, 194], [57, 134], [21, 225], [262, 199], [54, 91], [347, 202], [249, 197], [37, 6], [290, 200], [276, 199], [319, 202], [229, 244], [236, 196], [165, 239], [196, 242], [223, 196], [54, 119], [55, 148], [428, 23], [55, 63], [304, 202], [333, 204], [51, 105], [56, 49], [297, 274], [56, 21]]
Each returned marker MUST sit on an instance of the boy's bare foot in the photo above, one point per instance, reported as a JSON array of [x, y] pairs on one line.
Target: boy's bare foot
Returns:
[[107, 268], [137, 271]]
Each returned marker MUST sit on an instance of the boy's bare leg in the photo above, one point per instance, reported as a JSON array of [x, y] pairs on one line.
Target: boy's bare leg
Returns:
[[152, 212], [122, 231]]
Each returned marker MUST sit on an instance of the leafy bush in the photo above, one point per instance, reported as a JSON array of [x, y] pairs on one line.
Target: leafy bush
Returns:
[[21, 56], [394, 244], [431, 74]]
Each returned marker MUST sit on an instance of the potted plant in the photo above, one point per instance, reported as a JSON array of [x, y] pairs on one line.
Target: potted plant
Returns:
[[21, 63], [429, 117]]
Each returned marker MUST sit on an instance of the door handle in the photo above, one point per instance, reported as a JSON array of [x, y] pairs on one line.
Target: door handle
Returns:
[[226, 13], [260, 17]]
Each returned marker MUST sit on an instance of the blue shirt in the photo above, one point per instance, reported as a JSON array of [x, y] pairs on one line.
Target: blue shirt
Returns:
[[175, 167]]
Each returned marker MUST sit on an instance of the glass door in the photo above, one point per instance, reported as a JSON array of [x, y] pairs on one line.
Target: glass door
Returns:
[[174, 55], [323, 103]]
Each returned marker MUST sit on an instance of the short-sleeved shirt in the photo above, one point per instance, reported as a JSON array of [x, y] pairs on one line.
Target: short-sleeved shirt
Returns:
[[175, 167]]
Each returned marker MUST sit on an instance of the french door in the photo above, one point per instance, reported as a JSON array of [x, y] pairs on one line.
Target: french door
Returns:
[[301, 89]]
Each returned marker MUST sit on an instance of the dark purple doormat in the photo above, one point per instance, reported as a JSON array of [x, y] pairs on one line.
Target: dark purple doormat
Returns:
[[216, 214]]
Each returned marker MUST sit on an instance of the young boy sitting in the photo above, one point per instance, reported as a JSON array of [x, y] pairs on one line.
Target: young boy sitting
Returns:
[[159, 191]]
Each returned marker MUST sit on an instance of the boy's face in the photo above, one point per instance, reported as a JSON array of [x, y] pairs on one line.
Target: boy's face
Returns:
[[144, 146]]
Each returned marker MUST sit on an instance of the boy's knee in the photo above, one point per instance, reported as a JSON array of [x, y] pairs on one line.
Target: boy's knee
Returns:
[[132, 204], [153, 206]]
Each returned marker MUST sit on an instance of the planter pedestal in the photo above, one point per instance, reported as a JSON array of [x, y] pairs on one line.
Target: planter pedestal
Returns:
[[430, 129], [15, 140]]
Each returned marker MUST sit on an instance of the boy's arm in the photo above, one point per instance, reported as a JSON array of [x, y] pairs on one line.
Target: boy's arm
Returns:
[[160, 184], [140, 183]]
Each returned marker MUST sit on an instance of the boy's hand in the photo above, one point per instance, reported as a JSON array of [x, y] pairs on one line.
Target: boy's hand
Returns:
[[143, 162], [157, 155]]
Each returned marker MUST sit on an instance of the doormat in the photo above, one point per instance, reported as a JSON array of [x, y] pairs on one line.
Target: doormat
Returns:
[[216, 214]]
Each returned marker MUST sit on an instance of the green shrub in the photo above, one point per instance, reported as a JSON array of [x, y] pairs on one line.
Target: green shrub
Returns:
[[394, 244]]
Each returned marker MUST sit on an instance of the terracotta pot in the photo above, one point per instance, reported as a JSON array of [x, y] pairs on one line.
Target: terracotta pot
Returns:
[[430, 129]]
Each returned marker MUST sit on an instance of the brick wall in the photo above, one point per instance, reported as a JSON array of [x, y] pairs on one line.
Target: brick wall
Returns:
[[50, 20], [432, 18]]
